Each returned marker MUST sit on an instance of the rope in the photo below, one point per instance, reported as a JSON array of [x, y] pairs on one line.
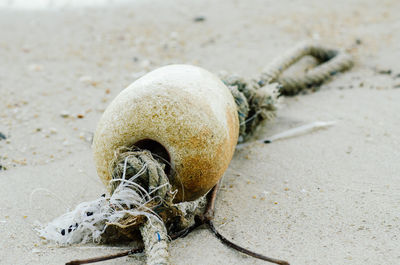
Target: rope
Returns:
[[155, 240], [332, 62], [257, 98], [147, 172], [147, 175]]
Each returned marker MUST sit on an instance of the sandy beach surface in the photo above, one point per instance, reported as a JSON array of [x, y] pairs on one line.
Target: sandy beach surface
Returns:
[[327, 197]]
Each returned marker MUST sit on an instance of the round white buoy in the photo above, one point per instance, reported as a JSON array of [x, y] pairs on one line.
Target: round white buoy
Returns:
[[181, 113]]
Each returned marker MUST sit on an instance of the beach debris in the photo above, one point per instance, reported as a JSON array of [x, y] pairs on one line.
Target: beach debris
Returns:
[[299, 131], [199, 19], [158, 186], [64, 114], [86, 79], [53, 130], [86, 136], [384, 71], [198, 170]]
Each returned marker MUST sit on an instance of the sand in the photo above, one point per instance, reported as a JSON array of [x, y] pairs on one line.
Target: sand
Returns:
[[326, 197]]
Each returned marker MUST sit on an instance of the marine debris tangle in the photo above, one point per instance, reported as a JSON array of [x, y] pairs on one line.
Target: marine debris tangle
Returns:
[[141, 206]]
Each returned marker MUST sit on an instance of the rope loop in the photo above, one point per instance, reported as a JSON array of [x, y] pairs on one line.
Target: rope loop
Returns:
[[257, 99]]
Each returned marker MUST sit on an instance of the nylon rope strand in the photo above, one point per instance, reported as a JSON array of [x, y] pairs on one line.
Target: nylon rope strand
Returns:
[[257, 98]]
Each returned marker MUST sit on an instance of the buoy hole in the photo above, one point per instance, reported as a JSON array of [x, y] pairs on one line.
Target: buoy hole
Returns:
[[158, 150]]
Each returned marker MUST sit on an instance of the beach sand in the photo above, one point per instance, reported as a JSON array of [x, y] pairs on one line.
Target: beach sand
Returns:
[[327, 197]]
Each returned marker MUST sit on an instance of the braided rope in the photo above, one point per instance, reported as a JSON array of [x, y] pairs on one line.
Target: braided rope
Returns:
[[332, 62], [146, 174], [155, 239], [257, 98]]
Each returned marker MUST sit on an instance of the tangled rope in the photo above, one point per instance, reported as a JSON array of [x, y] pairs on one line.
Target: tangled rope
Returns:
[[146, 173], [257, 98], [141, 201]]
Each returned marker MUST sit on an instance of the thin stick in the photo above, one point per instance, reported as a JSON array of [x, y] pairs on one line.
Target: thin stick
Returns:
[[107, 257], [207, 219], [209, 212], [186, 231], [230, 244]]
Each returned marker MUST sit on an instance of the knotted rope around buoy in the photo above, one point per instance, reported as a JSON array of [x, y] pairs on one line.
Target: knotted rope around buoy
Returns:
[[141, 201], [145, 174]]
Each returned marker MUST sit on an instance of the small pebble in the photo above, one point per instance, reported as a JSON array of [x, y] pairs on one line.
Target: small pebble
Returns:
[[199, 19], [80, 116], [64, 114], [2, 136], [35, 250], [63, 232], [86, 79], [89, 213], [53, 130], [384, 71]]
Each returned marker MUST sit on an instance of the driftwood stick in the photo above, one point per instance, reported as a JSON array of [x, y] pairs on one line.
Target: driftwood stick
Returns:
[[230, 244], [107, 257]]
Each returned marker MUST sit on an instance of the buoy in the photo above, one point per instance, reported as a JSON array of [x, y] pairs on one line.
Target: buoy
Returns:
[[182, 114]]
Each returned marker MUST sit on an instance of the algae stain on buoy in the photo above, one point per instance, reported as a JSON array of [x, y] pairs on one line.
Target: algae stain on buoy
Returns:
[[182, 113]]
